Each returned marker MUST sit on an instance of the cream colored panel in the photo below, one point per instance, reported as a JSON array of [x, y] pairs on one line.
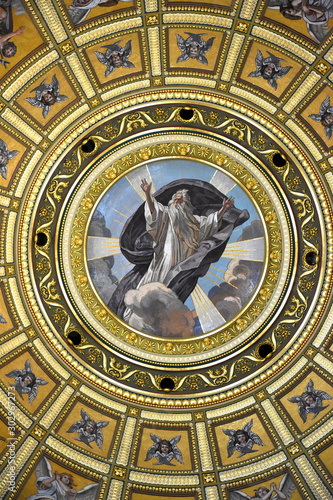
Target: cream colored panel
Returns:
[[32, 71], [183, 80], [21, 126], [21, 458], [27, 173], [233, 56], [155, 51], [248, 9], [4, 201], [12, 344], [166, 417], [51, 359], [312, 479], [319, 433], [226, 410], [163, 480], [277, 422], [69, 120], [205, 19], [52, 19], [305, 139], [108, 29], [10, 237], [72, 454], [284, 43], [18, 302], [56, 408], [80, 74], [286, 377], [19, 415], [204, 448], [126, 442], [302, 91], [107, 402], [249, 96], [131, 87], [254, 468], [115, 490]]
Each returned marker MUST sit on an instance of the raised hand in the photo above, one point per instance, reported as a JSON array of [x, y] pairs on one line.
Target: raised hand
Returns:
[[228, 202], [145, 186]]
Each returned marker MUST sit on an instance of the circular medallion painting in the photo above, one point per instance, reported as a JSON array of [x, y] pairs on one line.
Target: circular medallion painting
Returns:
[[176, 248]]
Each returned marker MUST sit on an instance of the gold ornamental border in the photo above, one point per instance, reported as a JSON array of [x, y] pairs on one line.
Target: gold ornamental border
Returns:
[[241, 111], [271, 265]]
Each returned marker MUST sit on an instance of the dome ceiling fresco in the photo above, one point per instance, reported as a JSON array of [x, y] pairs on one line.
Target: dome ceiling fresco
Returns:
[[166, 250]]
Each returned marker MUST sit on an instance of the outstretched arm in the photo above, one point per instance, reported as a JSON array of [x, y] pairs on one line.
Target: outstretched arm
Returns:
[[146, 188], [6, 37], [227, 202]]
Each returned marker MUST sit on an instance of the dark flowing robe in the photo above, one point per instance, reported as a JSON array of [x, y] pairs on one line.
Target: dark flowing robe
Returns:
[[137, 245]]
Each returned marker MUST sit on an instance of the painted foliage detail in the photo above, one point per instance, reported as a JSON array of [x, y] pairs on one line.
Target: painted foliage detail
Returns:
[[88, 430], [26, 382], [80, 9], [59, 486], [194, 47], [325, 117], [242, 440], [164, 450], [284, 491], [311, 401], [315, 13], [47, 94], [5, 157], [115, 57], [269, 68], [7, 46]]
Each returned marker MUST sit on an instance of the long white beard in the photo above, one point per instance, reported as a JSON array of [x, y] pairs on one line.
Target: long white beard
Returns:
[[184, 224]]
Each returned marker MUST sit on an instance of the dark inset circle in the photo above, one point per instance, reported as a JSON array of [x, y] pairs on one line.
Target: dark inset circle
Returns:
[[279, 160], [41, 239], [88, 146], [167, 384], [265, 350], [74, 337], [186, 114], [311, 258]]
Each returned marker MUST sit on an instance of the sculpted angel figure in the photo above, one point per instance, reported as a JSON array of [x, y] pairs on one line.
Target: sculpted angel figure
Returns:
[[242, 440], [115, 56], [283, 492], [5, 157], [164, 450], [46, 95], [194, 47], [311, 401], [269, 68], [88, 430], [59, 486], [325, 117], [26, 382]]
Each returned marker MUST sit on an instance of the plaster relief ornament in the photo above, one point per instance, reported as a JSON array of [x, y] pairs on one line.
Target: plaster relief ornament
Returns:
[[47, 94], [283, 492], [315, 13], [325, 117], [2, 319], [80, 9], [164, 450], [26, 382], [7, 47], [59, 486], [311, 401], [269, 68], [88, 430], [194, 47], [115, 57], [242, 440], [5, 156]]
